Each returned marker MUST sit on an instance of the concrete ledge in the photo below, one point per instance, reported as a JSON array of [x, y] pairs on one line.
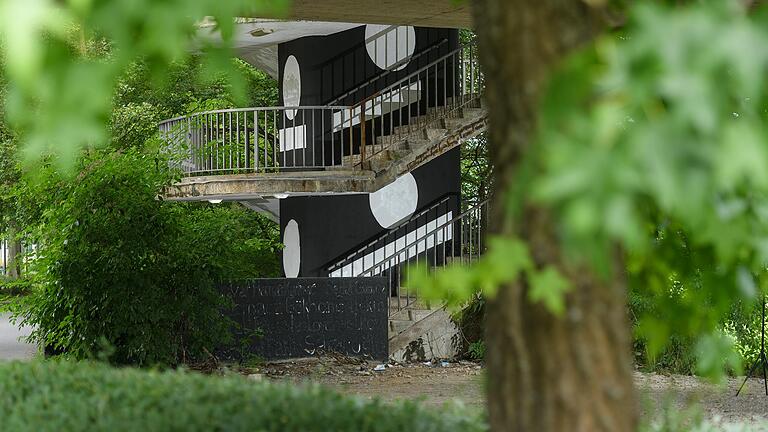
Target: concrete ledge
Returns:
[[255, 185]]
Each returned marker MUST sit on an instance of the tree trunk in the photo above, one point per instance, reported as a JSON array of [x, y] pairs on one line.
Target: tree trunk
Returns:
[[13, 264], [572, 373]]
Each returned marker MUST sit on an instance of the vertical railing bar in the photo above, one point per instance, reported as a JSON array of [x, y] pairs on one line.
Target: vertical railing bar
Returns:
[[293, 128], [275, 144], [305, 139], [190, 159], [436, 93], [210, 144], [445, 87], [351, 138], [265, 165], [255, 140]]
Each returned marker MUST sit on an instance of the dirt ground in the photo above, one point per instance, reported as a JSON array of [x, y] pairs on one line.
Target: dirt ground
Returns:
[[437, 383]]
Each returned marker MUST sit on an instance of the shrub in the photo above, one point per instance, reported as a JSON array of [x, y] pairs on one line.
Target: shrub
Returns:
[[124, 275], [15, 287], [477, 350], [132, 125], [470, 319], [64, 396]]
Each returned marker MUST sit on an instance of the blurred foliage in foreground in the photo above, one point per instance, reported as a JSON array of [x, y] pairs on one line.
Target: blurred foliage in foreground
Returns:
[[653, 140], [117, 273], [81, 396], [62, 60]]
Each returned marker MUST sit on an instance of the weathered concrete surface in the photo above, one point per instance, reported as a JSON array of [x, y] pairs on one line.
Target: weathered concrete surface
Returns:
[[11, 348], [242, 187], [435, 336], [432, 13]]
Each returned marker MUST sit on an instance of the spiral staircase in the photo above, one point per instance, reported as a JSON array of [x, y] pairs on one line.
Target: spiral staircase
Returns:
[[262, 153], [258, 155]]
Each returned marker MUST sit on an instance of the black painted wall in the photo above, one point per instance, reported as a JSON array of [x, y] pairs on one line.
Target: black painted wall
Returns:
[[308, 317], [334, 64], [330, 227], [331, 66]]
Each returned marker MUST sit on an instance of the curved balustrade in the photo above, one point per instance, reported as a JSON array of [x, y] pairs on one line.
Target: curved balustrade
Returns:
[[270, 139]]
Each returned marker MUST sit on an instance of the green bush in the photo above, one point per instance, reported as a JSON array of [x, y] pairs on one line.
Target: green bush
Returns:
[[477, 350], [128, 277], [15, 287], [64, 396]]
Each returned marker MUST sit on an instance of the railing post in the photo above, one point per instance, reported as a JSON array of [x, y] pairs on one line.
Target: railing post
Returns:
[[363, 137]]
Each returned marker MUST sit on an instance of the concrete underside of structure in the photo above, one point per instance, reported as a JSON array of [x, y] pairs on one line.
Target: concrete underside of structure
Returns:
[[434, 13]]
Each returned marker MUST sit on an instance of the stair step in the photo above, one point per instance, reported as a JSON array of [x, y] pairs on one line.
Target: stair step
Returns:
[[372, 153], [405, 318], [398, 326], [393, 142]]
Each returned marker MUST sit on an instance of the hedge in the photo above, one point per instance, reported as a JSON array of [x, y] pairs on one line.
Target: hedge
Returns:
[[69, 396]]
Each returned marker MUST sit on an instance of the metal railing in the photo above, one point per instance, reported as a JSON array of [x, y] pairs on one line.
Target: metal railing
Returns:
[[362, 86], [270, 139], [440, 208], [418, 101], [444, 240], [273, 139]]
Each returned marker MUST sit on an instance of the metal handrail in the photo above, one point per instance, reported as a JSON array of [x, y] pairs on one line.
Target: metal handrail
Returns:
[[427, 235], [471, 245], [228, 141], [469, 76], [248, 109], [261, 139], [388, 72], [416, 73], [389, 233]]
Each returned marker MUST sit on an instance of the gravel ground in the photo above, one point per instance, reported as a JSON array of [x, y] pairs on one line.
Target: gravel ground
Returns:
[[463, 381], [718, 404]]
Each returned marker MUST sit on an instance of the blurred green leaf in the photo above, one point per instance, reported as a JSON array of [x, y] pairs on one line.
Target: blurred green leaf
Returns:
[[549, 287]]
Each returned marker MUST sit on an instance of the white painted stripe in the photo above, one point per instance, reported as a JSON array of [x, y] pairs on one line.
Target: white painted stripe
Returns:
[[293, 138], [383, 104], [395, 252]]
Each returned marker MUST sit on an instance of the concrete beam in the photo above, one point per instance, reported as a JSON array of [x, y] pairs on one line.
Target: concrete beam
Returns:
[[431, 13], [244, 187]]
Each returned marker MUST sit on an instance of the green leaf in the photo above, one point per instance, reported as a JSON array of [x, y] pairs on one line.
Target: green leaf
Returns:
[[549, 287], [715, 353]]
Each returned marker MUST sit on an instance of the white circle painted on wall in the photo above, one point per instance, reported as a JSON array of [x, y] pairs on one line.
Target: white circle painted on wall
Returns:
[[390, 48], [291, 85], [395, 202], [292, 249]]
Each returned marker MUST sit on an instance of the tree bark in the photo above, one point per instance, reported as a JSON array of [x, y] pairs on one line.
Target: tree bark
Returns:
[[547, 373], [13, 264]]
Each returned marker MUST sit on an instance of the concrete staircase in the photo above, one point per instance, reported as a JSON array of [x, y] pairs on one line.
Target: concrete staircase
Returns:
[[421, 333], [422, 135], [419, 330]]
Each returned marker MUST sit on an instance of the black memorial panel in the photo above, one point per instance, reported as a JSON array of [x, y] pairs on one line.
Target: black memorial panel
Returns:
[[308, 316]]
